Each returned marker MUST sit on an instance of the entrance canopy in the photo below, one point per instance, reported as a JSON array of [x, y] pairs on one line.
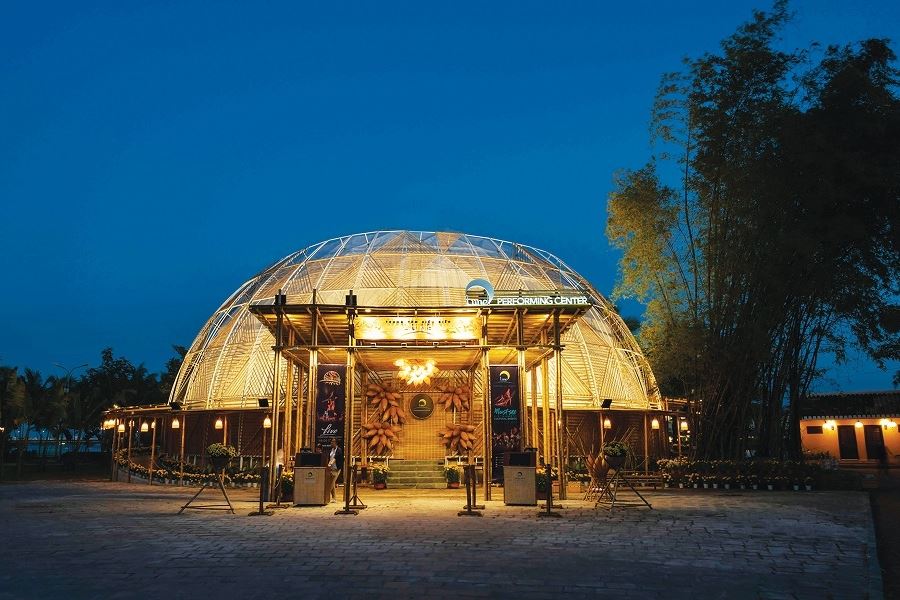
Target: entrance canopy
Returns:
[[455, 337]]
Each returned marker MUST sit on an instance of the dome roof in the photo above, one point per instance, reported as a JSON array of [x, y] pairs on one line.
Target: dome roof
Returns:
[[230, 362]]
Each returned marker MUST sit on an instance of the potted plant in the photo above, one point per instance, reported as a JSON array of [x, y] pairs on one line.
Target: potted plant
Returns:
[[379, 476], [219, 456], [615, 453], [452, 475]]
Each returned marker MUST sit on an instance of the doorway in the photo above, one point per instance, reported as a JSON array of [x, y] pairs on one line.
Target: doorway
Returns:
[[874, 442], [847, 442]]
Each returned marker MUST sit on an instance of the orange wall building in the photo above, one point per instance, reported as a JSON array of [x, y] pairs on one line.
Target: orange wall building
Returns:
[[857, 429]]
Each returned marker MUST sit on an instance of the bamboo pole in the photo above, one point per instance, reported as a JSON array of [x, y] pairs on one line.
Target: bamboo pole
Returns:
[[181, 457], [646, 447], [130, 430], [152, 451], [560, 417], [535, 437], [288, 409]]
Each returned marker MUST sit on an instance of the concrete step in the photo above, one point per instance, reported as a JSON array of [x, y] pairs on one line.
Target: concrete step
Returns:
[[417, 486], [408, 465], [416, 479]]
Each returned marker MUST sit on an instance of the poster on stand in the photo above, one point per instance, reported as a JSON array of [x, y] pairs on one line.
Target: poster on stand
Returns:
[[331, 395], [505, 406]]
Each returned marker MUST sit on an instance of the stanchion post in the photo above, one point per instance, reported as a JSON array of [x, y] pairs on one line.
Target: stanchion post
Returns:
[[549, 512]]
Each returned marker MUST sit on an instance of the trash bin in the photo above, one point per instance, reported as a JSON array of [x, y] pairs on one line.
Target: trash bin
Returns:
[[311, 486], [519, 486]]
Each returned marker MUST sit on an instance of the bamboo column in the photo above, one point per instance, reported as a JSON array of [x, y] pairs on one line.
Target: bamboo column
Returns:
[[535, 437], [152, 452], [276, 385], [181, 457], [130, 430], [486, 389], [646, 446], [288, 407], [560, 417]]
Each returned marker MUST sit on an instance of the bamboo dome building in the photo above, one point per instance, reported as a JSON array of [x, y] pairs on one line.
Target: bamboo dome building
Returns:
[[422, 333]]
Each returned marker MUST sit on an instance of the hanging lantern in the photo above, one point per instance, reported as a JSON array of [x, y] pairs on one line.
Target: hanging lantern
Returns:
[[684, 425], [219, 423], [121, 427], [654, 424], [267, 423], [145, 427], [607, 424], [176, 424]]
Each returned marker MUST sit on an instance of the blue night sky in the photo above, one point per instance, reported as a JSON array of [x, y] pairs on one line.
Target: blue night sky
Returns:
[[153, 156]]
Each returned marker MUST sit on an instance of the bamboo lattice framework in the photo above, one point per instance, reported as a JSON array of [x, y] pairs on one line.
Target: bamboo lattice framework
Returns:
[[230, 363]]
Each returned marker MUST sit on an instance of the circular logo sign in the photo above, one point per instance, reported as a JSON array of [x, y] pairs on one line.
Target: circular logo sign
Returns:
[[421, 406]]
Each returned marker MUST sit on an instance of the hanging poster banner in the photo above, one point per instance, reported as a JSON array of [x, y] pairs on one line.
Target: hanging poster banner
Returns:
[[331, 395], [505, 407]]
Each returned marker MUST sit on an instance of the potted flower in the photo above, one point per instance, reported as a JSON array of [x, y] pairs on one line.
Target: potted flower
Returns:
[[219, 456], [808, 482], [452, 475], [380, 476], [615, 452]]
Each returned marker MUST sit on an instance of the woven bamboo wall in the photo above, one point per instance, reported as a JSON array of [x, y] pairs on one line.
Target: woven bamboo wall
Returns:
[[419, 438]]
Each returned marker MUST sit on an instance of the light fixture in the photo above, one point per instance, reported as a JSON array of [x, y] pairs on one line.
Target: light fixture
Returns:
[[176, 424], [684, 425], [892, 423], [121, 427], [607, 424], [829, 424], [267, 423], [858, 424], [145, 427], [415, 372], [153, 424], [219, 423], [654, 424]]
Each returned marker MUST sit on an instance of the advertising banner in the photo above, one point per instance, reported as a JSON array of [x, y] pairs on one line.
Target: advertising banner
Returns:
[[505, 407], [331, 395]]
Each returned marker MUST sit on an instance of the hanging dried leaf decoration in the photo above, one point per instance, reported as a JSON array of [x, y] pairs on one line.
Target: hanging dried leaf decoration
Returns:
[[456, 398], [383, 399], [458, 438], [380, 437]]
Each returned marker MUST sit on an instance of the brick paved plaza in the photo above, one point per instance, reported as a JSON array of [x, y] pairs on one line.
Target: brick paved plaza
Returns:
[[113, 540]]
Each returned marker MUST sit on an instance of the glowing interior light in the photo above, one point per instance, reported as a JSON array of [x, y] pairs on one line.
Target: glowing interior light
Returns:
[[654, 424], [176, 424], [415, 372]]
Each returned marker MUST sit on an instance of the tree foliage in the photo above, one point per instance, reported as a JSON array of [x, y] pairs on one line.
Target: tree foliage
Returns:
[[764, 229]]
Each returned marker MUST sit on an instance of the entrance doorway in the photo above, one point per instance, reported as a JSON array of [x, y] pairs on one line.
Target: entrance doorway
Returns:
[[847, 442], [874, 442]]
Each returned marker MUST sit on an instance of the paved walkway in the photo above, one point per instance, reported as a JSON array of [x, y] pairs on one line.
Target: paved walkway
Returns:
[[93, 539]]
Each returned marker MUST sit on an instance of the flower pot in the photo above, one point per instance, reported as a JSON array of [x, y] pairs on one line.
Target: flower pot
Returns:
[[453, 485], [705, 486], [809, 488], [770, 487], [715, 486], [796, 488], [681, 486], [727, 486], [379, 485]]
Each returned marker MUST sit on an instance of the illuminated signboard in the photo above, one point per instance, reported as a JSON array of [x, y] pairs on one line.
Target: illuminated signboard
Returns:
[[480, 292], [459, 328]]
